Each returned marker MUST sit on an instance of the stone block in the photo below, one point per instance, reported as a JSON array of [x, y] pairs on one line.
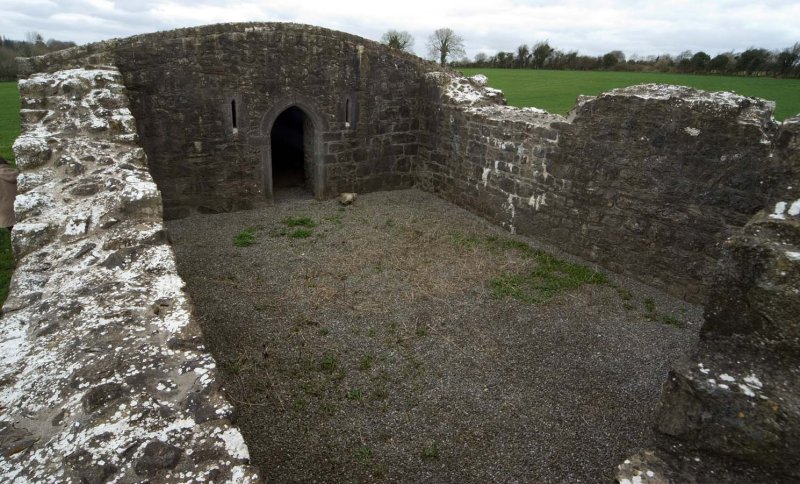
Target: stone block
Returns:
[[755, 292], [732, 404], [31, 236], [31, 151]]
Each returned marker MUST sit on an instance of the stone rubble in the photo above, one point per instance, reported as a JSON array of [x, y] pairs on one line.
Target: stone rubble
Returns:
[[103, 373]]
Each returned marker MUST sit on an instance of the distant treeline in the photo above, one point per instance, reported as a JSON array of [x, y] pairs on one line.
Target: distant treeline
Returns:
[[751, 62], [32, 46]]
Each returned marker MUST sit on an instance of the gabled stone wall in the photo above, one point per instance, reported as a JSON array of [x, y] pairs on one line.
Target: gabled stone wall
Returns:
[[182, 84], [103, 373]]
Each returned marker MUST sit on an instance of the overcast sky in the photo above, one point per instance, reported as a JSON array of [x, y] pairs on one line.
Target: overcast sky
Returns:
[[591, 27]]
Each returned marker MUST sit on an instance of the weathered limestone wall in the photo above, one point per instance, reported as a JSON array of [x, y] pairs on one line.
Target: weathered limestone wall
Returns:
[[102, 370], [103, 374], [646, 180], [182, 84], [738, 396]]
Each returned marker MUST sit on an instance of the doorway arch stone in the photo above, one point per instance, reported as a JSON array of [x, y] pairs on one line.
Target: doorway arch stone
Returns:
[[313, 144]]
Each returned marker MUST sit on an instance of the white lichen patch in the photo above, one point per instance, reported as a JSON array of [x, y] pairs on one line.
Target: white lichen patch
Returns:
[[463, 93], [234, 443], [29, 202], [749, 386], [76, 226], [753, 381], [746, 390], [485, 176], [87, 298], [29, 181], [479, 80], [530, 117], [13, 346], [691, 131], [537, 200], [466, 91], [794, 209], [512, 211], [748, 111], [779, 212]]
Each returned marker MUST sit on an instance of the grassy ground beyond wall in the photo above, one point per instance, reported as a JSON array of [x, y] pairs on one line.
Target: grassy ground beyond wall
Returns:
[[9, 130], [556, 91], [9, 118]]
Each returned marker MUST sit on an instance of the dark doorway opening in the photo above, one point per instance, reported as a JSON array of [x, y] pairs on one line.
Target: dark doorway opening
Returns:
[[290, 154]]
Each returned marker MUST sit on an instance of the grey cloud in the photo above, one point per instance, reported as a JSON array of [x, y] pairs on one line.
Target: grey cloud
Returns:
[[593, 28]]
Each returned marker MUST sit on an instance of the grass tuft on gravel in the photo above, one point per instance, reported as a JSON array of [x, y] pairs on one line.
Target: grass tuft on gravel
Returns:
[[548, 277], [301, 234], [300, 222], [430, 451], [366, 362], [671, 320], [245, 238], [544, 282], [328, 363], [363, 453]]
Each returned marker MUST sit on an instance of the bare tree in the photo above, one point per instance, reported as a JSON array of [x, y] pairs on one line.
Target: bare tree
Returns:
[[34, 44], [34, 37], [444, 44], [400, 40], [523, 56]]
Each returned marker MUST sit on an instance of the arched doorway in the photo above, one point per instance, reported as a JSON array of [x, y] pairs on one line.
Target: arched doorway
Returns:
[[292, 154], [289, 157]]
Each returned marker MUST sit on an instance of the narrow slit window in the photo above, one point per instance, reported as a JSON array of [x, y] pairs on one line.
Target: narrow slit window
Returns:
[[347, 113], [233, 113]]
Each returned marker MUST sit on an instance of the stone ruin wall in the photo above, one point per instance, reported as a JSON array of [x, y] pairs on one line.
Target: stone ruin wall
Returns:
[[646, 180], [181, 84], [738, 395], [103, 372]]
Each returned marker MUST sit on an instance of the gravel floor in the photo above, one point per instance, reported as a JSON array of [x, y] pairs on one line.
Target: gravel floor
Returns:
[[371, 347]]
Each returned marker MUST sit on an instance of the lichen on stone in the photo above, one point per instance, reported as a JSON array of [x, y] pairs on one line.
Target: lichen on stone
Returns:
[[103, 376]]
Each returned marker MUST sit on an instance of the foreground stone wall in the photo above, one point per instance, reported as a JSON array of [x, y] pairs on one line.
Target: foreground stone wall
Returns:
[[732, 410], [646, 180], [359, 95], [103, 374]]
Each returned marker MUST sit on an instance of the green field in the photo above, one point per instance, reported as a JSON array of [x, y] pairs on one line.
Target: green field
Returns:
[[556, 91], [9, 118], [9, 130]]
